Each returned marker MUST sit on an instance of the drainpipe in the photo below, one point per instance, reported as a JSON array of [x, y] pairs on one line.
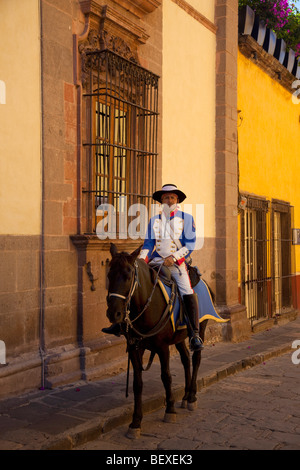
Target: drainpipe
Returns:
[[42, 236], [78, 85]]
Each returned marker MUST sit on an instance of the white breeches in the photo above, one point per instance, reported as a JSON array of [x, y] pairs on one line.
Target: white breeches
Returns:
[[181, 276]]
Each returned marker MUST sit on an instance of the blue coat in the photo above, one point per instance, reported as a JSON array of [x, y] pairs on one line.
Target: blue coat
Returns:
[[161, 232]]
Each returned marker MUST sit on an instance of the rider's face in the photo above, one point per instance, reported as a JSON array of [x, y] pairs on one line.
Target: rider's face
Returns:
[[169, 199]]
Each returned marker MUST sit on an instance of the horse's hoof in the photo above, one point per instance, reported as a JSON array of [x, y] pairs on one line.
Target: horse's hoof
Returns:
[[192, 406], [184, 404], [170, 418], [133, 433]]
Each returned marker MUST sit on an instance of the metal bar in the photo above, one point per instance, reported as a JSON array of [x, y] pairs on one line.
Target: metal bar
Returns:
[[123, 193], [109, 144], [123, 101]]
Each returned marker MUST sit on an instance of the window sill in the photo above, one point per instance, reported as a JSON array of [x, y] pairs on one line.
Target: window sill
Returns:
[[86, 242]]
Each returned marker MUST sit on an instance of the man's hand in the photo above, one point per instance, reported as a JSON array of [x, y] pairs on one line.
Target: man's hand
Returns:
[[169, 261]]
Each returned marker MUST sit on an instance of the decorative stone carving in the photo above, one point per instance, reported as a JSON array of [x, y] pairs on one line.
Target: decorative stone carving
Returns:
[[118, 45], [90, 44], [100, 41], [109, 28]]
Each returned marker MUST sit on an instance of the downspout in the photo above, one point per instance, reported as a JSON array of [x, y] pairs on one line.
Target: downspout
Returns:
[[78, 87], [79, 38], [42, 236]]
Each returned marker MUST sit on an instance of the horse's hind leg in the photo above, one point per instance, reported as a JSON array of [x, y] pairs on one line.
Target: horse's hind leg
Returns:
[[164, 356], [134, 429], [192, 399], [185, 359]]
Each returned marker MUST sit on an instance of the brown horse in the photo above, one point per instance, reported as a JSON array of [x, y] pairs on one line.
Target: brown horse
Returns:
[[136, 302]]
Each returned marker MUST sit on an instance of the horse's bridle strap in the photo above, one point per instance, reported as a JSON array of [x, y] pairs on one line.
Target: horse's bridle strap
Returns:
[[131, 291], [117, 295]]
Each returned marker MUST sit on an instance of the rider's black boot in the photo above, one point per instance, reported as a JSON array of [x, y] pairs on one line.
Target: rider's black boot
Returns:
[[113, 330], [192, 311]]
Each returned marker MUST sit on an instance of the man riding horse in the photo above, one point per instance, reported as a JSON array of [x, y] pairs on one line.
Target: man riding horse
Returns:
[[170, 239]]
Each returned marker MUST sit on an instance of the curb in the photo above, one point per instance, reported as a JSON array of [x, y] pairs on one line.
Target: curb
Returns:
[[93, 429]]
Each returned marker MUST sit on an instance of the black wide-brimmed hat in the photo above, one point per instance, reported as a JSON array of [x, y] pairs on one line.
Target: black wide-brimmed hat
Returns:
[[169, 188]]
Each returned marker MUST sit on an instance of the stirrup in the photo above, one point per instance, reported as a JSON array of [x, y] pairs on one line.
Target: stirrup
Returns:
[[113, 330], [196, 343]]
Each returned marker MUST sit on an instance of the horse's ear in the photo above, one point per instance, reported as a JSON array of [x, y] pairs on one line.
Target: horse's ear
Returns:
[[113, 249], [135, 254]]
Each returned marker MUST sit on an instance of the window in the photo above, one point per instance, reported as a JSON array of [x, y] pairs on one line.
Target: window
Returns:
[[282, 256], [112, 162], [255, 257], [121, 102], [266, 258]]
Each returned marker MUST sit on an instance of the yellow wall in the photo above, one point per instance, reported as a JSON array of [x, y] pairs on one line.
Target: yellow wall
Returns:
[[189, 54], [269, 139], [20, 132], [206, 7]]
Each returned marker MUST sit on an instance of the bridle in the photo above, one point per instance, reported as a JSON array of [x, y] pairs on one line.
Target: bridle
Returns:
[[128, 298], [129, 323]]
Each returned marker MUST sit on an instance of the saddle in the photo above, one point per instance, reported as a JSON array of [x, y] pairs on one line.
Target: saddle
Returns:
[[165, 276]]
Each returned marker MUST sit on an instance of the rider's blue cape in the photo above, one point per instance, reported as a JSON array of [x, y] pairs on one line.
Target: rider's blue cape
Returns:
[[207, 310]]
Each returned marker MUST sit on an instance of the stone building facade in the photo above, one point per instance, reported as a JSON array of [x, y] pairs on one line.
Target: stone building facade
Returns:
[[99, 69]]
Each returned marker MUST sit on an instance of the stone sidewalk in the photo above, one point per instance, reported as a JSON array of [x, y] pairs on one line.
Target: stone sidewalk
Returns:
[[68, 416]]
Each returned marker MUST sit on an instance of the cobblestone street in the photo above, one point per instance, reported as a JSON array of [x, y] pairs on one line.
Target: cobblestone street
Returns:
[[257, 409]]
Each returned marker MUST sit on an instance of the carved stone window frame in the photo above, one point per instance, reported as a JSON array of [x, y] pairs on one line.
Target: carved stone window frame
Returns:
[[119, 27]]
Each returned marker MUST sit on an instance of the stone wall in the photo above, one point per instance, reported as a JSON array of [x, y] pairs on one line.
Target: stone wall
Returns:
[[227, 170]]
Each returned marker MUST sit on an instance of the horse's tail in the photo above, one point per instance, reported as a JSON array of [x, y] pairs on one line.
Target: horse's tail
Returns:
[[152, 355]]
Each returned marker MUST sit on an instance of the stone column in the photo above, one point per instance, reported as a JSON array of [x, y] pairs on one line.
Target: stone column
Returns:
[[226, 19]]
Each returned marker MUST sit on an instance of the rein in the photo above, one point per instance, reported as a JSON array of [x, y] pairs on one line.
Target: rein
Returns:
[[129, 323]]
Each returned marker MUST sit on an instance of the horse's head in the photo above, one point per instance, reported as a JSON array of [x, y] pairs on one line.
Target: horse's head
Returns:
[[120, 282]]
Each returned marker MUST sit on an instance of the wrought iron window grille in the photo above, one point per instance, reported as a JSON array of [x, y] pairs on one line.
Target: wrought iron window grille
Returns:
[[266, 258], [121, 106]]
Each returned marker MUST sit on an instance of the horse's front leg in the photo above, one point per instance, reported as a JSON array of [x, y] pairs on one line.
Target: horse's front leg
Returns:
[[196, 361], [134, 429], [164, 356]]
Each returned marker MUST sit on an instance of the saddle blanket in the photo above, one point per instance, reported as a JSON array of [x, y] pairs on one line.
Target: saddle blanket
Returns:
[[207, 310]]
